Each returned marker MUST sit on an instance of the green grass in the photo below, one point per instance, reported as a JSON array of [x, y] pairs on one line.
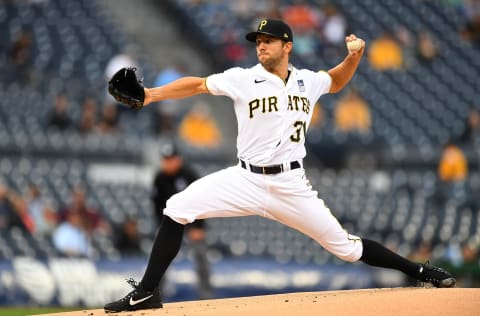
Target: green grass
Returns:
[[23, 311]]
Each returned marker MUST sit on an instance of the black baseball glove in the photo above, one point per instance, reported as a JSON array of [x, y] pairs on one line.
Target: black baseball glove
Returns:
[[126, 88]]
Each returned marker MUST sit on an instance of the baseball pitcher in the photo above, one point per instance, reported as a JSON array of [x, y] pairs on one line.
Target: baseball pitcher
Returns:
[[273, 103]]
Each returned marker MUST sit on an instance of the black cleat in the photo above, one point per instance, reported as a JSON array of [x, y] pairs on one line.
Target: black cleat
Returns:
[[135, 300], [437, 276]]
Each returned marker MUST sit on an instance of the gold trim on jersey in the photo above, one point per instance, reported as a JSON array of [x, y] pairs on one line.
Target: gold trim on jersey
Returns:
[[206, 87]]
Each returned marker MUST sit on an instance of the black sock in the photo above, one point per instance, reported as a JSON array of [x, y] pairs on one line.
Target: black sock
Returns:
[[377, 255], [165, 247]]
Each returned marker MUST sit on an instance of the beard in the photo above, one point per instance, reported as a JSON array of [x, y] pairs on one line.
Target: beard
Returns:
[[270, 62]]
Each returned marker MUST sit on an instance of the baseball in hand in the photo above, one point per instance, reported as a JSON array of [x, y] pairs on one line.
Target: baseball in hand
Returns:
[[354, 45]]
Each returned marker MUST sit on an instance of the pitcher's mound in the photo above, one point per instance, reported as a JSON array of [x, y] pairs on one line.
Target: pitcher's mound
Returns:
[[396, 301]]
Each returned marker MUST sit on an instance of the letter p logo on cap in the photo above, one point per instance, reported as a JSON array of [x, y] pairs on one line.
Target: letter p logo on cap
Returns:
[[262, 24]]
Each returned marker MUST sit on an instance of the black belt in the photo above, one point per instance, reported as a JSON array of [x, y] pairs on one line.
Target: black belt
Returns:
[[273, 169]]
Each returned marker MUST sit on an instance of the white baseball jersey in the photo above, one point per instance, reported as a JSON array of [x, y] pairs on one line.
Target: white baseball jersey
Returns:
[[273, 118]]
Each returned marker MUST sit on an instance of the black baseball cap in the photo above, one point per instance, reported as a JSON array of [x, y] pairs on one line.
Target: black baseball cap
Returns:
[[272, 27], [169, 150]]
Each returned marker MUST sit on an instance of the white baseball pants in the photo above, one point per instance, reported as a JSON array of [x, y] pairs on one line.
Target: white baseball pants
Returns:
[[285, 197]]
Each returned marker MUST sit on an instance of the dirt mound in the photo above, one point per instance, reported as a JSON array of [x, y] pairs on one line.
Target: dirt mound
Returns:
[[396, 301]]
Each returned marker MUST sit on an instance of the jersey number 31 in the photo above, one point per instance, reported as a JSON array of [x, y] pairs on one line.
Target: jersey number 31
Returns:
[[300, 130]]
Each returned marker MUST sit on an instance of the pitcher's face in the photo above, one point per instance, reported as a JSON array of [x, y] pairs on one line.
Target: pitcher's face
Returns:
[[272, 51]]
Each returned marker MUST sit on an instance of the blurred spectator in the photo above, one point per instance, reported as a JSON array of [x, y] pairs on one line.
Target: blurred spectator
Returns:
[[169, 74], [198, 128], [462, 258], [408, 45], [426, 47], [88, 118], [91, 219], [385, 53], [318, 117], [170, 110], [58, 117], [174, 176], [352, 113], [334, 29], [471, 133], [242, 9], [301, 17], [14, 211], [108, 123], [248, 10], [422, 253], [305, 23], [20, 57], [127, 239], [453, 164], [44, 216], [70, 238], [453, 253], [306, 44], [470, 274], [335, 26], [452, 173], [234, 53], [21, 209], [457, 4], [263, 8], [6, 208], [471, 30]]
